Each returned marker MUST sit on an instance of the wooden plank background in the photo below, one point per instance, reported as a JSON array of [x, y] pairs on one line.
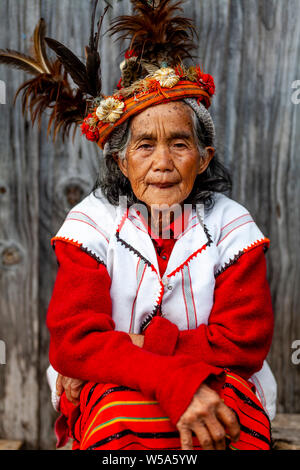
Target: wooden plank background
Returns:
[[252, 48]]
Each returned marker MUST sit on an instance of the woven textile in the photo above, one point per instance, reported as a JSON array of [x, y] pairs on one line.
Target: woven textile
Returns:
[[114, 417]]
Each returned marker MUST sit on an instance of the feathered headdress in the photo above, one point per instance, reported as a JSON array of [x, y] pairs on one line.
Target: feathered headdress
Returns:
[[50, 87], [152, 72]]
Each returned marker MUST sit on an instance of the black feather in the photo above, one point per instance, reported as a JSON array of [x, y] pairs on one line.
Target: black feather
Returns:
[[93, 60], [92, 39], [72, 64], [92, 71]]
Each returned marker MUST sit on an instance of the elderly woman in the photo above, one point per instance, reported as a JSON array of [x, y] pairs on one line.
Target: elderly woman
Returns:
[[163, 333], [161, 318], [161, 315]]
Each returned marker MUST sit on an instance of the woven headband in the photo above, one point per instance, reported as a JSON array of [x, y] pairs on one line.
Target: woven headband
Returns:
[[152, 72], [115, 110]]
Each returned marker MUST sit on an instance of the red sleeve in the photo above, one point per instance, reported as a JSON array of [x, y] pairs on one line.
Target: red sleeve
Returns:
[[83, 343], [239, 333]]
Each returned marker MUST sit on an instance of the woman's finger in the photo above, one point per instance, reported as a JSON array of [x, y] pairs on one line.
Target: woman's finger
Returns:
[[68, 393], [204, 437], [72, 388], [59, 386], [217, 432], [229, 419], [74, 400], [66, 383], [186, 438], [75, 396]]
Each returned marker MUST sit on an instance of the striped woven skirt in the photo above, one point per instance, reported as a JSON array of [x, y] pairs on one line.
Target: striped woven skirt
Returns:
[[113, 417]]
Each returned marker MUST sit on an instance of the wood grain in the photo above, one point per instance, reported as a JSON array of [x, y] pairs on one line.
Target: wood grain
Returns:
[[252, 48], [10, 445], [286, 432], [19, 246]]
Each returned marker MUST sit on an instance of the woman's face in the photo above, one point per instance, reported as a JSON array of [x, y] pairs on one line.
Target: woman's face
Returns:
[[162, 158]]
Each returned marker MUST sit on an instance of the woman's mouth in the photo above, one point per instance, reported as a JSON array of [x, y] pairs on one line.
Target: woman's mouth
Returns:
[[163, 185]]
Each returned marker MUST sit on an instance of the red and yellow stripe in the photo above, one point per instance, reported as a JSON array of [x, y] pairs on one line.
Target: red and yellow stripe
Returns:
[[116, 417]]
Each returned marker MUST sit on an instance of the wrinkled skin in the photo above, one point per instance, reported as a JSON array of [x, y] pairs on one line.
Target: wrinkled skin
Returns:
[[162, 158]]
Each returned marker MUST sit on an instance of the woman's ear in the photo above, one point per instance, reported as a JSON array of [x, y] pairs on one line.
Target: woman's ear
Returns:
[[205, 161], [122, 163]]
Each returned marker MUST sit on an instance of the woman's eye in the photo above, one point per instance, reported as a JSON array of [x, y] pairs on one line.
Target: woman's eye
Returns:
[[145, 146], [180, 145]]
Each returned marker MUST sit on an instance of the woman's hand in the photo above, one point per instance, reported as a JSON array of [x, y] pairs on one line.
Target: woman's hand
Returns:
[[210, 419], [138, 340], [72, 388]]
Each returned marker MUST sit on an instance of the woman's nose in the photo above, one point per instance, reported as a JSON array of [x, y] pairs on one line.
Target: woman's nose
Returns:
[[162, 159]]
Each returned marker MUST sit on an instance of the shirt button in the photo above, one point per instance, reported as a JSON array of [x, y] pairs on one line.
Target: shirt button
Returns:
[[170, 287], [164, 257]]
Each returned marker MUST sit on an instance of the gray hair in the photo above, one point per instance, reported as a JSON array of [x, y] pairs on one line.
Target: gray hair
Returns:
[[203, 123]]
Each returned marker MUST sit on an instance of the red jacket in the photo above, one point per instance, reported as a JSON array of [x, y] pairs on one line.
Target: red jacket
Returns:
[[172, 364]]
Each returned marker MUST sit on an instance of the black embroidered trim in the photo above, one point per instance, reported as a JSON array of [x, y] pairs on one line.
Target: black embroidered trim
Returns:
[[235, 258], [130, 248], [210, 240], [90, 253], [230, 263], [196, 253], [148, 319], [137, 253]]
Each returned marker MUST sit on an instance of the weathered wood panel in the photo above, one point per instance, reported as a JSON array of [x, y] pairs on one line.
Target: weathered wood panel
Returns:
[[19, 246], [252, 47], [286, 432]]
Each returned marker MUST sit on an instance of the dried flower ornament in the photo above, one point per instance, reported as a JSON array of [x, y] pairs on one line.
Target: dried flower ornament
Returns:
[[166, 77], [110, 110]]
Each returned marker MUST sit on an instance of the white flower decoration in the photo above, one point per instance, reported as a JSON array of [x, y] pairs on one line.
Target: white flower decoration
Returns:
[[110, 110], [166, 77]]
